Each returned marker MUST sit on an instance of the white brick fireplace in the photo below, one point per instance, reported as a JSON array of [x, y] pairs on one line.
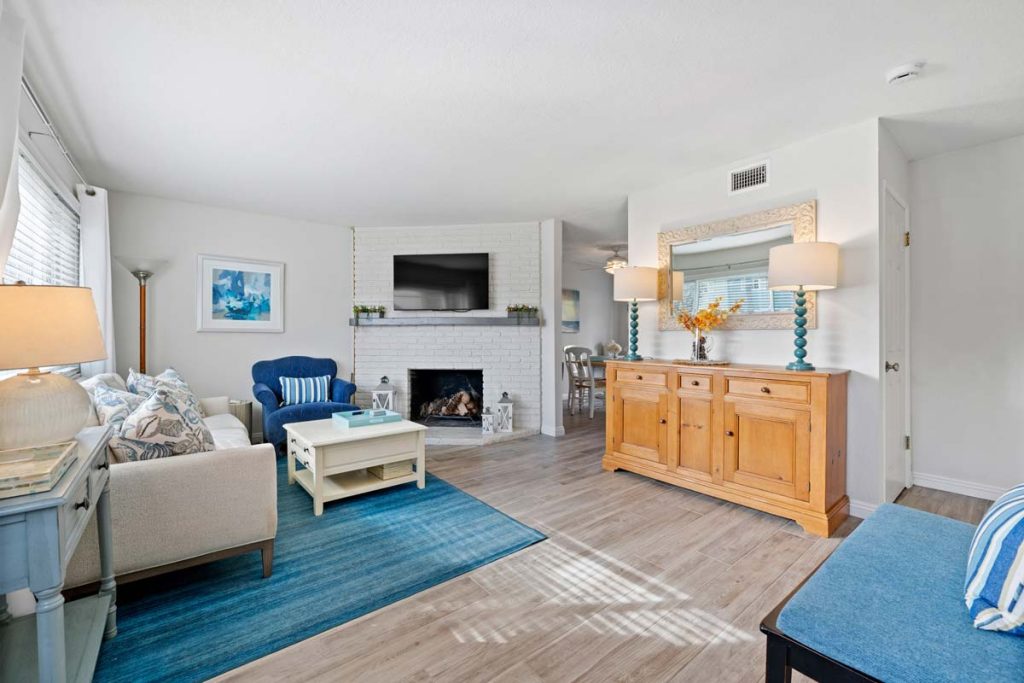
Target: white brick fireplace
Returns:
[[509, 356]]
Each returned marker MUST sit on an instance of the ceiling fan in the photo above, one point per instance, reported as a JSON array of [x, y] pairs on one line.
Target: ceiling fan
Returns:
[[613, 262]]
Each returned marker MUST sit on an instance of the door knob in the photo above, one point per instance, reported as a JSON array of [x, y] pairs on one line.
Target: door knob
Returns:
[[893, 367]]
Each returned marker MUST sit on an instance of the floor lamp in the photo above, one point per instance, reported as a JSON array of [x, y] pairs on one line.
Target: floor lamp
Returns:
[[142, 269], [143, 277]]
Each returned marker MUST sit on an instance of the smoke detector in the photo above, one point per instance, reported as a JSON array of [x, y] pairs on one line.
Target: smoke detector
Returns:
[[904, 72]]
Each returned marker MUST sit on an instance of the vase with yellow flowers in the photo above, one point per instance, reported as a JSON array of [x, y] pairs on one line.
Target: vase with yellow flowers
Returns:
[[705, 320]]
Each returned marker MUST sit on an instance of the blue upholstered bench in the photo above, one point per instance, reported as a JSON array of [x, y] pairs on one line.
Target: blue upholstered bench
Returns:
[[888, 605]]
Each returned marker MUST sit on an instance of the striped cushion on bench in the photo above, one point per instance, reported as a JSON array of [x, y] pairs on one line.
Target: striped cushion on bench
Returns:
[[995, 569], [295, 390]]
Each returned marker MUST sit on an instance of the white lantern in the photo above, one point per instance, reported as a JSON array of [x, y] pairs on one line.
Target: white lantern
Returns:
[[487, 421], [384, 395], [505, 413]]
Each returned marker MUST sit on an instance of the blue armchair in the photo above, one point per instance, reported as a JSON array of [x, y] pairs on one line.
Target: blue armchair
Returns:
[[267, 390]]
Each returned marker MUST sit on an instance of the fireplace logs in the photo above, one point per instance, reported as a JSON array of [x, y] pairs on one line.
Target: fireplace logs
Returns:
[[459, 404]]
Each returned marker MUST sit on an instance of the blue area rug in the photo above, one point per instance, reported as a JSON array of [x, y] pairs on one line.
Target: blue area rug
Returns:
[[362, 554]]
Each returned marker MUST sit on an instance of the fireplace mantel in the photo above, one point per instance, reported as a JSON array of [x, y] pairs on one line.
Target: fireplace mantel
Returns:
[[435, 321]]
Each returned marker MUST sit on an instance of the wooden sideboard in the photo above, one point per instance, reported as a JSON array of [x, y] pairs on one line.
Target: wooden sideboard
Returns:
[[764, 437]]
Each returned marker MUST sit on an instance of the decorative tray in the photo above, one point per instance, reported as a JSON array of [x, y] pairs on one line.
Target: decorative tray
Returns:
[[35, 469], [363, 418]]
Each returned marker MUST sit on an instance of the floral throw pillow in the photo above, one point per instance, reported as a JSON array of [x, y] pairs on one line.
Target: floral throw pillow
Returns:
[[164, 425], [144, 385], [114, 405], [140, 383]]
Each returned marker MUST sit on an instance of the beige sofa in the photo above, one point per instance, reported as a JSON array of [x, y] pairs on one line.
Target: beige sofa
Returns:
[[176, 512]]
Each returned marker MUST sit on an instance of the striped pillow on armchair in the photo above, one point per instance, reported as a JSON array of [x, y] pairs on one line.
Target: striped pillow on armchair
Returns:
[[296, 390]]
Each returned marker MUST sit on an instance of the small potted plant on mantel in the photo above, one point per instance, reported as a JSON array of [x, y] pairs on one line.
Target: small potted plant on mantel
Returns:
[[521, 311], [367, 312]]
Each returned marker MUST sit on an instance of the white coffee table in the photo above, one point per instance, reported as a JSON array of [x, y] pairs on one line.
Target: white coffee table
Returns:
[[336, 458]]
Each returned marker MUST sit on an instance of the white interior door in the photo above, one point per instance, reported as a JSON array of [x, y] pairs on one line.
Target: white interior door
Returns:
[[895, 343]]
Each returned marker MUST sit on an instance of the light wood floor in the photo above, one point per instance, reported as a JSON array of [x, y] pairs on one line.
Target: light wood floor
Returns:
[[638, 581]]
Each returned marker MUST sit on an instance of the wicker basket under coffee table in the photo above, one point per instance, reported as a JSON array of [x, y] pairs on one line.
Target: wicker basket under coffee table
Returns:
[[336, 460]]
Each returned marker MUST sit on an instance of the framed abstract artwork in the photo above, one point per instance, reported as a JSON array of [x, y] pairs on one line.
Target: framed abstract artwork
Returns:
[[239, 295], [570, 310]]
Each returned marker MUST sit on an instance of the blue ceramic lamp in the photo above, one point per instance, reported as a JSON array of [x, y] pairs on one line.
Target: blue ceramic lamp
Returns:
[[802, 267], [635, 284]]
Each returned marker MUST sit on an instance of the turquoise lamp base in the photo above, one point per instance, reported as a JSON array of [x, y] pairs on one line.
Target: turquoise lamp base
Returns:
[[633, 333], [800, 342]]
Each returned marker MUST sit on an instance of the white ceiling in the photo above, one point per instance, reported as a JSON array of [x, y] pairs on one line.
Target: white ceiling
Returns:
[[411, 112], [930, 133]]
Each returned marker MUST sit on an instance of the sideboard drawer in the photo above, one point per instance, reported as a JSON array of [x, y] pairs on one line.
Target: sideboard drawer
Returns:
[[778, 389], [701, 383], [640, 377]]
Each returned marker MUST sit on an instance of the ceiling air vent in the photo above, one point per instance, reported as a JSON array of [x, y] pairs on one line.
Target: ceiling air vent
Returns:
[[748, 178]]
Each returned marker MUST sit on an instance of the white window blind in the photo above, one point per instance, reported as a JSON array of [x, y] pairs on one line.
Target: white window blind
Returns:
[[752, 288], [46, 247], [46, 241]]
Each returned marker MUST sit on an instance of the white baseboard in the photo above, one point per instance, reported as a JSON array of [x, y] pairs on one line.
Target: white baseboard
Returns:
[[966, 488], [859, 508], [547, 430]]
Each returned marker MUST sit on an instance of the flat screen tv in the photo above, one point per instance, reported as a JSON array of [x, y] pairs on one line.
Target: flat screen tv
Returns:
[[441, 282]]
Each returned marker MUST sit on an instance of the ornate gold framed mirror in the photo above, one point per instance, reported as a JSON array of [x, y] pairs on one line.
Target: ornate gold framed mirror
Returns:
[[729, 259]]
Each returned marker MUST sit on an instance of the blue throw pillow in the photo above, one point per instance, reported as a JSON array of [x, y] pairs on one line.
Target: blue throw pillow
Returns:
[[995, 568], [295, 390]]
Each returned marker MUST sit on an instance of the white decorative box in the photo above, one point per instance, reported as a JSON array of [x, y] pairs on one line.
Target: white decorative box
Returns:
[[36, 469]]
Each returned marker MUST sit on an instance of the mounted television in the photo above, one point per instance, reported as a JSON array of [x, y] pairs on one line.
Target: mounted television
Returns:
[[441, 282]]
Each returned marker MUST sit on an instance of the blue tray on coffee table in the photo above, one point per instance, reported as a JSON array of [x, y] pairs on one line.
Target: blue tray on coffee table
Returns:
[[364, 418]]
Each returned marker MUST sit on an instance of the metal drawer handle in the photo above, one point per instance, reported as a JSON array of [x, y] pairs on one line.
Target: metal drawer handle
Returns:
[[729, 432], [305, 450], [83, 504], [103, 465], [765, 390], [293, 440], [695, 383]]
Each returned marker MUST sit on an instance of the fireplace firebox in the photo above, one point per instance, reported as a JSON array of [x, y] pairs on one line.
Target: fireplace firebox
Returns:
[[446, 397]]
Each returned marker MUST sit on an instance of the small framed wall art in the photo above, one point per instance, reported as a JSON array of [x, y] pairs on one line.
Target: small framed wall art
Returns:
[[239, 295]]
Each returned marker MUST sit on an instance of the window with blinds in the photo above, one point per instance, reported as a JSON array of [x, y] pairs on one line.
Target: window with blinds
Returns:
[[751, 287], [46, 247], [46, 241]]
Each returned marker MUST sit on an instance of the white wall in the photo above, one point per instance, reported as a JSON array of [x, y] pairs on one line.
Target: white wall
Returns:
[[967, 319], [840, 169], [598, 313], [317, 289]]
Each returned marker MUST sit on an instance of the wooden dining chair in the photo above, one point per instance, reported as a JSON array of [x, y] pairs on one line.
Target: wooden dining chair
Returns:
[[581, 378]]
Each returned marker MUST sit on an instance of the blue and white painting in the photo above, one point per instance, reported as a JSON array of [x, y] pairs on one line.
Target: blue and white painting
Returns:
[[241, 294]]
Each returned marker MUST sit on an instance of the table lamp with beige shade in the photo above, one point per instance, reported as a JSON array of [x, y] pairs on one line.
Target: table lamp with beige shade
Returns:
[[44, 326], [634, 284], [802, 267]]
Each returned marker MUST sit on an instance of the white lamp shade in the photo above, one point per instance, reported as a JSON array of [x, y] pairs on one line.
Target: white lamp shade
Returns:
[[811, 265], [44, 325], [636, 283]]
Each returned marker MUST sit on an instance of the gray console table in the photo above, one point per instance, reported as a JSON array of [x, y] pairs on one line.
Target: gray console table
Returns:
[[38, 536]]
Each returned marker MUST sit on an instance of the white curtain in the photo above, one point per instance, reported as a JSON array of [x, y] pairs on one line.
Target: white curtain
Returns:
[[95, 235], [12, 44]]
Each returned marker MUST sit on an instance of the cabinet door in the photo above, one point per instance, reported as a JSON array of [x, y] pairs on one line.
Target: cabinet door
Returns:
[[640, 423], [694, 455], [768, 448]]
